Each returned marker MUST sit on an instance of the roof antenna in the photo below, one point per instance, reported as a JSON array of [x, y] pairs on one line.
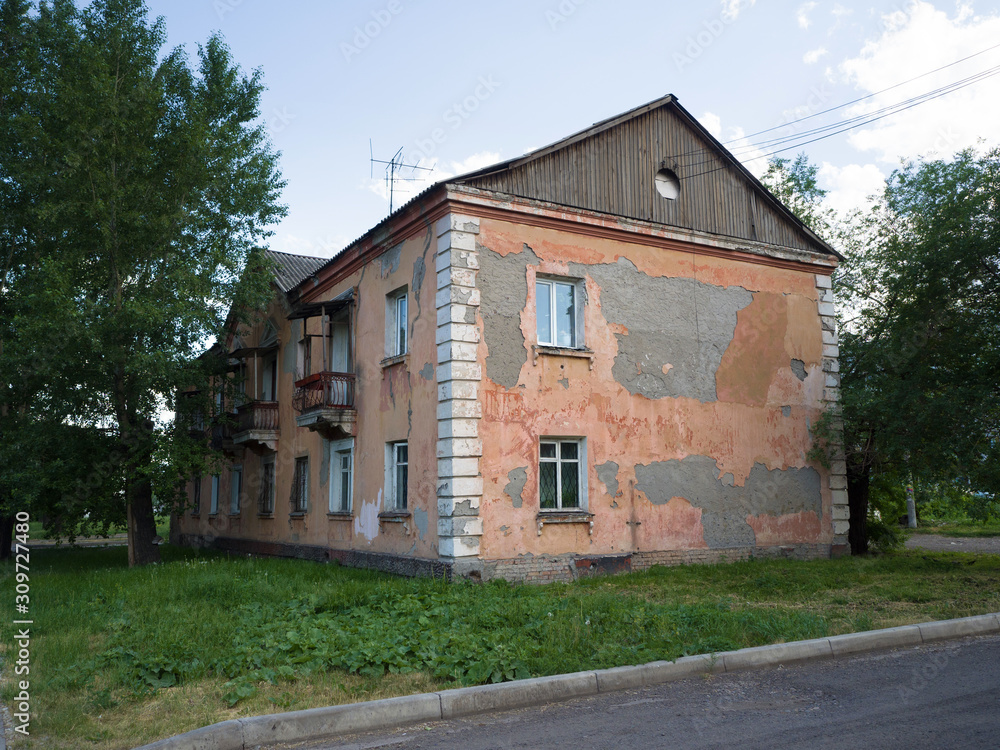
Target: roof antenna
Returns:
[[392, 169]]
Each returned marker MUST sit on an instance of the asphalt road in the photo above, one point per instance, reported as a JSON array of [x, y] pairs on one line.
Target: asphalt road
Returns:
[[943, 695]]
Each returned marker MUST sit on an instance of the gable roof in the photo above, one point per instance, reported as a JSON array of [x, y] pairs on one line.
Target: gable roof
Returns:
[[610, 167], [290, 270]]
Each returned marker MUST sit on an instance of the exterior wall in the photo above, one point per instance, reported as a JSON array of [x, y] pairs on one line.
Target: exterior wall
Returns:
[[395, 400], [694, 394]]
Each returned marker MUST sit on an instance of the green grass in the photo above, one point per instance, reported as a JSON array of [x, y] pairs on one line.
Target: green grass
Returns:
[[958, 530], [121, 657], [37, 531]]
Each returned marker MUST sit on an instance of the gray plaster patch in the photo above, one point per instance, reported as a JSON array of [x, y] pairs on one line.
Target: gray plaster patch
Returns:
[[564, 382], [419, 269], [427, 371], [289, 353], [799, 368], [420, 519], [389, 260], [728, 479], [516, 479], [608, 474], [773, 492], [786, 411], [679, 322], [503, 299]]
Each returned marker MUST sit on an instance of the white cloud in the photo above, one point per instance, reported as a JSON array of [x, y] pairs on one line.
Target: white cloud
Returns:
[[849, 187], [918, 39], [731, 9], [802, 15], [813, 55], [712, 123]]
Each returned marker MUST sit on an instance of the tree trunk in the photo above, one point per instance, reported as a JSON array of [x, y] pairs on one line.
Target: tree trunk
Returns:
[[139, 516], [857, 500], [6, 535]]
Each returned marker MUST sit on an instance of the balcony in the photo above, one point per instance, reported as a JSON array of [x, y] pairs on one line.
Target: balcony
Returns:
[[325, 404], [257, 424], [222, 436]]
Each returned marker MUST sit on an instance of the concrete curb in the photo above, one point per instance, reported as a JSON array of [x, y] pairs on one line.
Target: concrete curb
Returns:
[[320, 723]]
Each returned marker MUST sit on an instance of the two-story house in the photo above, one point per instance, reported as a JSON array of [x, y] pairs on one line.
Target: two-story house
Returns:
[[603, 355]]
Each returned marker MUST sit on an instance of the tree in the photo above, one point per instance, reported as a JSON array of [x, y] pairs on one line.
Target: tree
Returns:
[[920, 342], [136, 193], [794, 184]]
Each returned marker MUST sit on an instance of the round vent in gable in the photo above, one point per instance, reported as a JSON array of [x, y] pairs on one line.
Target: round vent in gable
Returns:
[[667, 184]]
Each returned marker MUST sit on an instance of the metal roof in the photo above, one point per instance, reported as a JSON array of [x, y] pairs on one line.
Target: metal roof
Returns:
[[290, 270]]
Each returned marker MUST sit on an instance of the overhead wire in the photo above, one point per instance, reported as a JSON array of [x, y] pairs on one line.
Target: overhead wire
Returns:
[[797, 140]]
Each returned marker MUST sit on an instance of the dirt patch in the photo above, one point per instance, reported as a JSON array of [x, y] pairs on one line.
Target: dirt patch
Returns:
[[935, 543]]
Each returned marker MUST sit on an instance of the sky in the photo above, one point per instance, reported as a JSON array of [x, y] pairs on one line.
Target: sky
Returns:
[[459, 85]]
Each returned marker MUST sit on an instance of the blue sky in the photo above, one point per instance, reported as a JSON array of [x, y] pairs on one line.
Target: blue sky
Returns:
[[460, 85]]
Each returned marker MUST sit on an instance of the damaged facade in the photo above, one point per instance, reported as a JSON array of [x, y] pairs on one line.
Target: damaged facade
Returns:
[[603, 355]]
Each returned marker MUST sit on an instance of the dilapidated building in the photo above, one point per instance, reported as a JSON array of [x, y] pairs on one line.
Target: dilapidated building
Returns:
[[603, 355]]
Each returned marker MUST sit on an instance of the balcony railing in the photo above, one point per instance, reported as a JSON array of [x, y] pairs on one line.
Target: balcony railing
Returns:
[[324, 390], [257, 416]]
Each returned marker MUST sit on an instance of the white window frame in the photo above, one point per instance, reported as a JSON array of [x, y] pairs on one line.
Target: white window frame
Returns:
[[396, 493], [338, 450], [267, 509], [397, 307], [548, 338], [581, 462], [235, 490], [213, 508]]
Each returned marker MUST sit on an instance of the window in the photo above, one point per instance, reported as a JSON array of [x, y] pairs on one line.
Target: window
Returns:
[[265, 501], [196, 510], [558, 313], [562, 476], [341, 475], [214, 507], [300, 486], [397, 475], [396, 323], [269, 384], [235, 489], [305, 356]]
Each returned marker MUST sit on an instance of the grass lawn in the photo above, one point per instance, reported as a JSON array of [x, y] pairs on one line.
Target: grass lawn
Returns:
[[961, 529], [121, 657]]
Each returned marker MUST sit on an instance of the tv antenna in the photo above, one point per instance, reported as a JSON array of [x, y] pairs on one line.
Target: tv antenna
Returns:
[[392, 170]]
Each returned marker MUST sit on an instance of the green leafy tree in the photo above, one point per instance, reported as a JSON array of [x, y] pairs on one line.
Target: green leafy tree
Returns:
[[920, 340], [136, 193], [793, 182]]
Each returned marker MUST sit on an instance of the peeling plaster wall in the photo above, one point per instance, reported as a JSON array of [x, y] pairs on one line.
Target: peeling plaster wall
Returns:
[[396, 402], [691, 384]]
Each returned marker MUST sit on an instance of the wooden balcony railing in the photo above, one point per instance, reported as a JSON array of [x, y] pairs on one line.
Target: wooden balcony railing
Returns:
[[324, 390], [257, 416]]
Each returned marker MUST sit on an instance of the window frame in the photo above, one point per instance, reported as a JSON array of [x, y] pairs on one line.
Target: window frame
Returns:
[[196, 496], [268, 489], [338, 504], [394, 347], [550, 338], [558, 460], [395, 491], [298, 502], [236, 490], [213, 506]]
